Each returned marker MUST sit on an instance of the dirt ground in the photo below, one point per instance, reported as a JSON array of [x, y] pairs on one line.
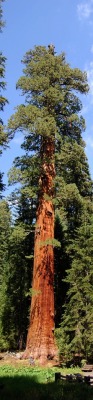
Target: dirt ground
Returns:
[[13, 359]]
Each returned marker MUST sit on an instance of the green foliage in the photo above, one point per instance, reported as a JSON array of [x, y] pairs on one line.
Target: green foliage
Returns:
[[5, 219], [5, 231], [50, 242], [26, 382], [3, 100], [1, 16], [17, 280], [78, 316], [33, 292], [52, 109]]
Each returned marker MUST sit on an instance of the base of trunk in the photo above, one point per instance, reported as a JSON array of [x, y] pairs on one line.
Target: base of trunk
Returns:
[[42, 356], [42, 360]]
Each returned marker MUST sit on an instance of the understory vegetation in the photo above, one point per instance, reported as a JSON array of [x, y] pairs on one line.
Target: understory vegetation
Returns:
[[26, 383]]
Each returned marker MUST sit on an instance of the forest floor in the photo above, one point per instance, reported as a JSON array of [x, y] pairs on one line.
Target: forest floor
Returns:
[[21, 381], [13, 359]]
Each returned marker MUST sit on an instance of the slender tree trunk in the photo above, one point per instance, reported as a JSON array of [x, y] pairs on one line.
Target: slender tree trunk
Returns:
[[40, 339]]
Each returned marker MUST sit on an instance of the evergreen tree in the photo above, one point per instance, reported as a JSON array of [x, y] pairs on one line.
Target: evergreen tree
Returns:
[[16, 271], [50, 119], [73, 190], [75, 333], [5, 230], [1, 16]]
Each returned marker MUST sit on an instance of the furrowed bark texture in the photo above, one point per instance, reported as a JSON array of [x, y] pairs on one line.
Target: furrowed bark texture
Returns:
[[40, 338]]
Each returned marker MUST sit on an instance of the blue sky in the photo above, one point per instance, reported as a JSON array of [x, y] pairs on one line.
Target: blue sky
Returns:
[[68, 24]]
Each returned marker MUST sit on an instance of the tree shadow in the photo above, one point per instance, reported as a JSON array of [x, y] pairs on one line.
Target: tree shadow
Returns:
[[28, 388]]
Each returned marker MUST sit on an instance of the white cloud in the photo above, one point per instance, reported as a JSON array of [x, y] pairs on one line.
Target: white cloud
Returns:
[[89, 142], [18, 140], [89, 70], [85, 9], [84, 109]]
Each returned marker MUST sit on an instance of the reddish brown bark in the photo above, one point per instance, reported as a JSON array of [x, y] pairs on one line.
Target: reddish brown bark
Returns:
[[40, 338]]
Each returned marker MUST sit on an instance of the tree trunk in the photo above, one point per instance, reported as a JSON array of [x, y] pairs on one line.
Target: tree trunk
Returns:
[[40, 339]]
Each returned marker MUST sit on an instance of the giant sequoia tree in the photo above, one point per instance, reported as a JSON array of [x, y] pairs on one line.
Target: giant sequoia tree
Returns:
[[50, 116]]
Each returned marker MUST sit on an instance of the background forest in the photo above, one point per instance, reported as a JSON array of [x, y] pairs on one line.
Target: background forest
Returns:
[[51, 104]]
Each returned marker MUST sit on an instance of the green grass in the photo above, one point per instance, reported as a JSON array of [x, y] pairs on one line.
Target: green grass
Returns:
[[28, 383]]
